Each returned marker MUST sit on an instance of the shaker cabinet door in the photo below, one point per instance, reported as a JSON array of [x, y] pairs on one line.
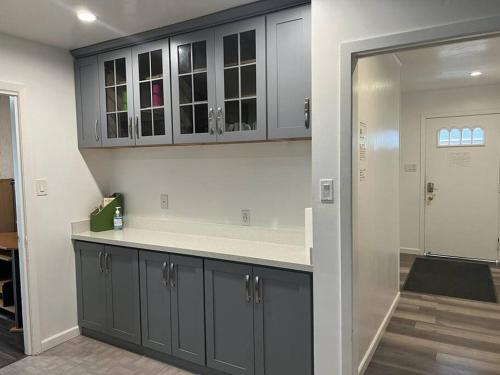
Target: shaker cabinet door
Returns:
[[87, 102], [229, 317], [193, 87], [152, 103], [123, 296], [240, 62], [91, 286], [283, 322], [155, 301], [188, 310], [117, 99], [289, 73]]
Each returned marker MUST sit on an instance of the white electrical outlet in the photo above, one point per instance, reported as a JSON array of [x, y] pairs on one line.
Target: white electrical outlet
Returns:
[[245, 217], [164, 201]]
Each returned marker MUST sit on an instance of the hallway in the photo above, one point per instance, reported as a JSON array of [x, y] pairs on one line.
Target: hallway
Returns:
[[439, 335]]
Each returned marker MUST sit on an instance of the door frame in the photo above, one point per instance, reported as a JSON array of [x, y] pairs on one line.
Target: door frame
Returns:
[[423, 172], [349, 54], [27, 269]]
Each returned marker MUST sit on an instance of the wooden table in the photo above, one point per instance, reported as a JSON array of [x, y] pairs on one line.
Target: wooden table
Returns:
[[9, 253]]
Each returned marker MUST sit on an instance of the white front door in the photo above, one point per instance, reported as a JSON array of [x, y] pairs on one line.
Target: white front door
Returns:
[[462, 185]]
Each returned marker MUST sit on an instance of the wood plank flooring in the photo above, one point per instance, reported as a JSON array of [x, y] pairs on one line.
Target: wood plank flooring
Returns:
[[439, 335]]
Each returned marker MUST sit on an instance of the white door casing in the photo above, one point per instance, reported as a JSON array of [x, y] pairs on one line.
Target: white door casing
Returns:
[[462, 213]]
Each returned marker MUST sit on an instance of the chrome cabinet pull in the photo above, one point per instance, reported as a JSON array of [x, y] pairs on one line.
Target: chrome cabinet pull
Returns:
[[307, 108], [247, 288], [95, 130], [137, 127], [164, 272], [220, 117], [100, 261], [106, 262], [172, 275], [258, 290], [211, 121], [130, 130]]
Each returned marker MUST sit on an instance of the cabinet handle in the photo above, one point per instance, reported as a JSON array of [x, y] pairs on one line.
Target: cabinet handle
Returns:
[[307, 110], [137, 127], [106, 262], [95, 130], [258, 289], [247, 288], [100, 261], [164, 272], [211, 120], [220, 117], [130, 130], [172, 275]]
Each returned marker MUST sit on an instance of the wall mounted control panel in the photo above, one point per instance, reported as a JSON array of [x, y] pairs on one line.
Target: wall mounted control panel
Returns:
[[326, 190]]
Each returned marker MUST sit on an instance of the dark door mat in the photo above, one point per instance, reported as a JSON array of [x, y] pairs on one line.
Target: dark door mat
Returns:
[[451, 278]]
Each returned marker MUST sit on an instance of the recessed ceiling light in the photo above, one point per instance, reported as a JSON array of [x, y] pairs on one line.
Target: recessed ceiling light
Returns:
[[476, 73], [86, 16]]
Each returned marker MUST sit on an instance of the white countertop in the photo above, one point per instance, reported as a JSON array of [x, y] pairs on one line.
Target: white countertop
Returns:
[[270, 254]]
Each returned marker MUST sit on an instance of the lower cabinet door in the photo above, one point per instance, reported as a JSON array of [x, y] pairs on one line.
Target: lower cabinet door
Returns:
[[229, 317], [91, 286], [155, 301], [123, 301], [188, 310], [283, 322]]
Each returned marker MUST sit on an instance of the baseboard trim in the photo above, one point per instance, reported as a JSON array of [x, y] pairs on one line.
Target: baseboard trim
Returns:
[[376, 340], [59, 338], [411, 250]]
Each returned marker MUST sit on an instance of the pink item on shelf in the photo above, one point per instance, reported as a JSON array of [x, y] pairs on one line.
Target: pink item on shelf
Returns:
[[157, 94]]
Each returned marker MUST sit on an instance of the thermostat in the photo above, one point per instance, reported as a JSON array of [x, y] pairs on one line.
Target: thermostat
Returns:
[[326, 190]]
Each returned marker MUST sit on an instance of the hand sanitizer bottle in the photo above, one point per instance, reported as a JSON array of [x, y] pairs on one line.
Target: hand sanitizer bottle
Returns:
[[118, 219]]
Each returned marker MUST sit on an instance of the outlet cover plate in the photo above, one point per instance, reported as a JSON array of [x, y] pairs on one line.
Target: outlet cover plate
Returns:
[[245, 216]]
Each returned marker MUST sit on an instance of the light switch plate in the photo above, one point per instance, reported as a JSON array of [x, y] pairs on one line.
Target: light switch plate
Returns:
[[41, 187], [326, 190]]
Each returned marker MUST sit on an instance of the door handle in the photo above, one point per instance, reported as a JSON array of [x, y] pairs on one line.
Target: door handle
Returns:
[[220, 117], [95, 130], [258, 290], [137, 127], [130, 126], [164, 273], [247, 288], [211, 121], [172, 275], [100, 261], [307, 113]]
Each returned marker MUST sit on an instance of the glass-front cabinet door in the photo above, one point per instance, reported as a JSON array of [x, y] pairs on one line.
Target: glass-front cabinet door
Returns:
[[116, 97], [152, 104], [241, 81], [193, 87]]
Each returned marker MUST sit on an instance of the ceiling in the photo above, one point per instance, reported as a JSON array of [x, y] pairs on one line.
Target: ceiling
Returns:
[[54, 22], [449, 66]]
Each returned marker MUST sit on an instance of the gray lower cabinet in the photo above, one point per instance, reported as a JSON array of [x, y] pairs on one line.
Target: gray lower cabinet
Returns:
[[229, 317], [283, 322], [108, 290]]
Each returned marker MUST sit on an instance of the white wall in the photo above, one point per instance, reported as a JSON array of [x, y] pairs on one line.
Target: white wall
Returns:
[[334, 22], [376, 104], [49, 146], [213, 183], [5, 139], [414, 105]]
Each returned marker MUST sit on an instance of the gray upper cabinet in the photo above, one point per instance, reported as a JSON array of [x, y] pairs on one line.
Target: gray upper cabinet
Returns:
[[87, 102], [283, 322], [155, 301], [152, 103], [91, 281], [188, 310], [116, 98], [240, 62], [122, 293], [229, 317], [193, 87], [289, 73]]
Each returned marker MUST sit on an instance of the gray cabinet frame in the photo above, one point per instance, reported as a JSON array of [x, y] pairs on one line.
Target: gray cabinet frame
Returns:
[[289, 73], [87, 102]]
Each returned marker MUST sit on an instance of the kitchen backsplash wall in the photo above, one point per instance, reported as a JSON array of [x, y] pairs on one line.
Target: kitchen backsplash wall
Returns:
[[212, 183]]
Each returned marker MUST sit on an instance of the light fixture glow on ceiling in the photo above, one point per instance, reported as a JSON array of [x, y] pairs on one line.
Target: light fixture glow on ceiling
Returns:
[[476, 73], [86, 16]]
